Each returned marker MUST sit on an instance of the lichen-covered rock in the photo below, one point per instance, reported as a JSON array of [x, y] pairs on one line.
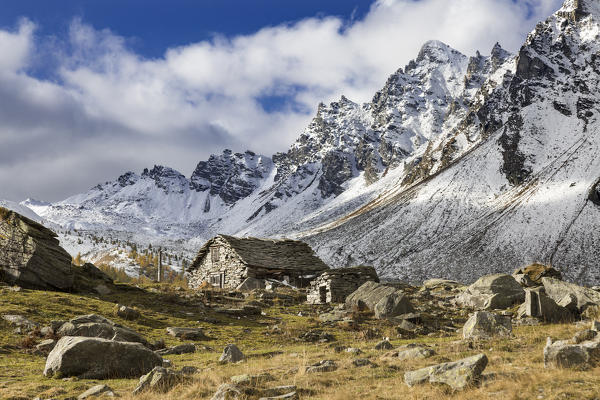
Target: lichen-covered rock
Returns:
[[93, 325], [127, 312], [385, 301], [384, 345], [159, 380], [20, 321], [485, 325], [180, 349], [30, 255], [539, 305], [498, 291], [322, 366], [559, 291], [96, 391], [228, 392], [187, 333], [96, 358], [457, 374], [413, 353]]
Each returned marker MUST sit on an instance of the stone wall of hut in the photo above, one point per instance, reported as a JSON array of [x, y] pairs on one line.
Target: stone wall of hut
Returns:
[[335, 285], [229, 268]]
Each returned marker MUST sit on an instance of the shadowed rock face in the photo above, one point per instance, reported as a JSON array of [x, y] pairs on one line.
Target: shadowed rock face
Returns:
[[30, 255]]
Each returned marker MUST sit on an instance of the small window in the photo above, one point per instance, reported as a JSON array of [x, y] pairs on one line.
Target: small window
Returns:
[[215, 280], [215, 254]]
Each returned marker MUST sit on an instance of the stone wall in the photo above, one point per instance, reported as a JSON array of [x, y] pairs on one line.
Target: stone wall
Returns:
[[230, 267], [335, 285]]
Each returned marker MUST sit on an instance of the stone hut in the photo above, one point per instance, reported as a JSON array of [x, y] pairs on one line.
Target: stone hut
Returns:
[[334, 285], [226, 261]]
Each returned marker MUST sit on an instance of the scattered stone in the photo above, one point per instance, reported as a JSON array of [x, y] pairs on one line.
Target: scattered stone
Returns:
[[563, 354], [441, 284], [457, 374], [96, 326], [159, 380], [180, 349], [31, 256], [537, 304], [413, 353], [19, 321], [384, 345], [228, 392], [46, 346], [316, 335], [585, 335], [385, 301], [353, 350], [231, 354], [406, 326], [97, 390], [189, 370], [322, 366], [569, 294], [187, 333], [278, 391], [253, 380], [498, 291], [287, 396], [361, 362], [485, 325], [127, 312], [96, 358]]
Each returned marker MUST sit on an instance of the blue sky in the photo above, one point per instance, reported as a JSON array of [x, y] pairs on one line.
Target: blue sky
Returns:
[[91, 89]]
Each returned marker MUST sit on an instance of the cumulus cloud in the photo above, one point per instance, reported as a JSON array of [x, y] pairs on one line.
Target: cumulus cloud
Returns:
[[106, 109]]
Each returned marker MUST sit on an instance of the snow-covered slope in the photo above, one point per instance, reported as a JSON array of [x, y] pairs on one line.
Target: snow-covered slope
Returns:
[[528, 189], [458, 166]]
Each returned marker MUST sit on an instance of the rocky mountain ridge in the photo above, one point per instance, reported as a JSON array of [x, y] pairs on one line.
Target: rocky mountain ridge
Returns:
[[469, 164]]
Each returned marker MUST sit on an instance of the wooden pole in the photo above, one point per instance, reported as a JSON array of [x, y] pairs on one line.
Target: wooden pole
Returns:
[[159, 278]]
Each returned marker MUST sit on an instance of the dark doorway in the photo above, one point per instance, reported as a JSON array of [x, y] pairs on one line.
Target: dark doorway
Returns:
[[323, 294]]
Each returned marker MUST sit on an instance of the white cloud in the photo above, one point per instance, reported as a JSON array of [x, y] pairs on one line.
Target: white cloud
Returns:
[[111, 109]]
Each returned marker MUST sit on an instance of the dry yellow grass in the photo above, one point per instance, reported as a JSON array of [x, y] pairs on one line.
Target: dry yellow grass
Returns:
[[515, 369]]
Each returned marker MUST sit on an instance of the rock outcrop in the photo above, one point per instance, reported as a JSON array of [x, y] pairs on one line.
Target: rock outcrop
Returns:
[[457, 374], [498, 291], [95, 358], [30, 255], [486, 325], [96, 326], [537, 304], [385, 301], [570, 295]]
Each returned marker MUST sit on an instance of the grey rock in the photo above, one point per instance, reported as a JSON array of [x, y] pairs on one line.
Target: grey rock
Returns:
[[232, 354], [95, 358], [595, 326], [361, 362], [419, 352], [159, 380], [498, 291], [557, 290], [31, 256], [180, 349], [384, 345], [385, 301], [287, 396], [524, 280], [584, 336], [97, 326], [189, 370], [485, 325], [457, 374], [19, 321], [98, 390], [353, 350], [248, 379], [228, 392], [322, 366], [274, 392], [537, 304], [562, 354], [187, 333], [127, 312], [441, 284]]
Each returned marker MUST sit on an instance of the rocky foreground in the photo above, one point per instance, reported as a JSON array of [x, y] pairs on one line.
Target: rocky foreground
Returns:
[[529, 335]]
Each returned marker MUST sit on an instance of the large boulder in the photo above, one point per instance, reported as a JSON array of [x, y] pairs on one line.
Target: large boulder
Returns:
[[539, 305], [498, 291], [535, 272], [485, 325], [97, 326], [95, 358], [457, 374], [232, 354], [566, 354], [30, 255], [385, 301], [570, 295]]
